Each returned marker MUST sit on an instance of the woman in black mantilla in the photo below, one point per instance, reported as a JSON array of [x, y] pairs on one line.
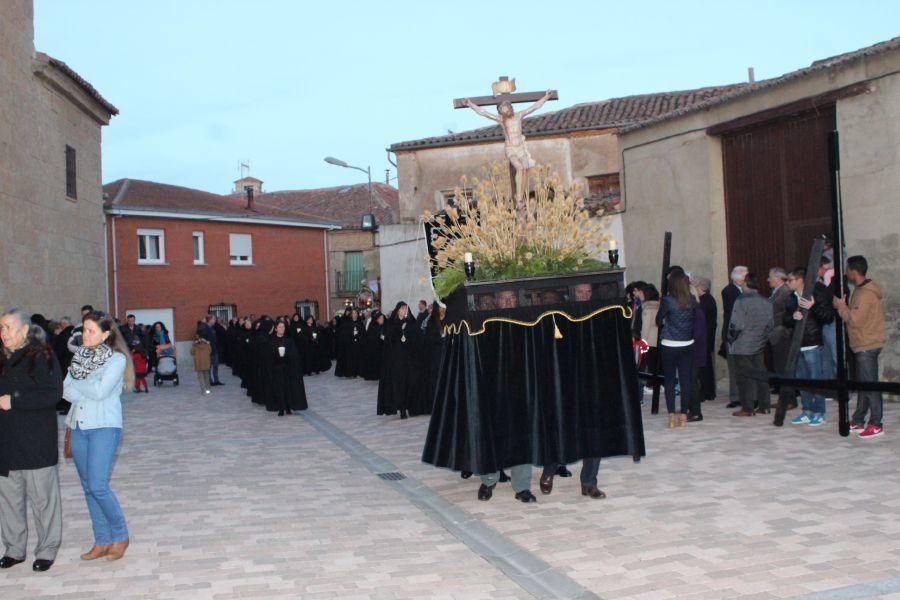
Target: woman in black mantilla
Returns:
[[432, 347], [319, 347], [397, 386], [373, 347], [296, 330], [258, 384], [281, 362], [349, 345]]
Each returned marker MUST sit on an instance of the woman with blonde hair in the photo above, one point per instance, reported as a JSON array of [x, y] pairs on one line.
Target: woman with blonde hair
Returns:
[[100, 371]]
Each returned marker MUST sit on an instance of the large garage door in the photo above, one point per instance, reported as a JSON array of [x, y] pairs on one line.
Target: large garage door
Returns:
[[777, 196]]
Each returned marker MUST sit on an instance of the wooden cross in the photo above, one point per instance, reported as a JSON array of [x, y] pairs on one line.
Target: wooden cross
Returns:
[[511, 123]]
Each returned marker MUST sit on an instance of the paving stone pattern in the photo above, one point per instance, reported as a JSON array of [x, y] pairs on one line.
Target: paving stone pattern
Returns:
[[225, 500]]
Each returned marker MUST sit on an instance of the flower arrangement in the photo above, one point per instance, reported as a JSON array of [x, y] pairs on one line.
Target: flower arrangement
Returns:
[[555, 235]]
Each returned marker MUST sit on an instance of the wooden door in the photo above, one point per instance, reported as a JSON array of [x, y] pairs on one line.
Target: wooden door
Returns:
[[777, 196]]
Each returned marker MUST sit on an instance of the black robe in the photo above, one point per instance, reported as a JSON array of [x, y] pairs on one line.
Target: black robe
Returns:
[[257, 384], [349, 348], [318, 343], [397, 386], [284, 375], [432, 352], [373, 351], [297, 332]]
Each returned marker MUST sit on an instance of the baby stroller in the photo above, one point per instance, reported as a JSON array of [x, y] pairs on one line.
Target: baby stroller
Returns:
[[166, 367]]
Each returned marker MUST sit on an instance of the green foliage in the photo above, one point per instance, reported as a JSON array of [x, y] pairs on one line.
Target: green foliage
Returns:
[[447, 281], [528, 263]]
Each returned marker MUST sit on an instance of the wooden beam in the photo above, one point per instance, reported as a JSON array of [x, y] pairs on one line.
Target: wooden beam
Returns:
[[500, 98], [788, 110]]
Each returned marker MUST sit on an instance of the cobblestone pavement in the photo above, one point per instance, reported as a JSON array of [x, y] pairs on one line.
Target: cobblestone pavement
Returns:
[[225, 500]]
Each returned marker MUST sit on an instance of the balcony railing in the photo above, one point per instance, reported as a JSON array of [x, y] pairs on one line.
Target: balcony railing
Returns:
[[349, 282]]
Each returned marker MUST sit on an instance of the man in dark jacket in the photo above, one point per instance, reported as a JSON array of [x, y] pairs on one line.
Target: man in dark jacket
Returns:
[[748, 333], [730, 294], [780, 340], [30, 386], [809, 363], [206, 329]]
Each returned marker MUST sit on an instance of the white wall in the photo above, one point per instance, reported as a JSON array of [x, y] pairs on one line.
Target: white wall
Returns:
[[402, 250]]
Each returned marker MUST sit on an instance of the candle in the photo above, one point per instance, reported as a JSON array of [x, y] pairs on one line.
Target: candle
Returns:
[[613, 245], [468, 257]]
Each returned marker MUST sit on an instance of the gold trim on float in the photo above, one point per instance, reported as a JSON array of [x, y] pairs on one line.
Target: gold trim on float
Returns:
[[456, 328]]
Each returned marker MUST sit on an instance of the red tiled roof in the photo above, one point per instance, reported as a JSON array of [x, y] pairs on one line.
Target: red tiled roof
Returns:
[[345, 204], [82, 83], [834, 62], [150, 195], [617, 112]]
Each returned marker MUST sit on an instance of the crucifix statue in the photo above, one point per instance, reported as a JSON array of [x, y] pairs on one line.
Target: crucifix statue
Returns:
[[520, 161]]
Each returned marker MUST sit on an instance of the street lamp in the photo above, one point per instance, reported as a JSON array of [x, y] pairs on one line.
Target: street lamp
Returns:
[[368, 220]]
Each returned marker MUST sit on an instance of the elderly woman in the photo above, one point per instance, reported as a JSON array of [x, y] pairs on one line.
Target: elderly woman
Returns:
[[30, 387], [100, 371]]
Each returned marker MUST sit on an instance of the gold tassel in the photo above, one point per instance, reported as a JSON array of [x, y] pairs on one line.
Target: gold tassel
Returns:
[[557, 334]]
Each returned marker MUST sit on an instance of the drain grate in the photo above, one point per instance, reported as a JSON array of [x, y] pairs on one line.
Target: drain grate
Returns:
[[392, 476]]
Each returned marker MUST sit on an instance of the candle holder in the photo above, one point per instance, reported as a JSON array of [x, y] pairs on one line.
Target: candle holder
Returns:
[[470, 270], [469, 264], [614, 257]]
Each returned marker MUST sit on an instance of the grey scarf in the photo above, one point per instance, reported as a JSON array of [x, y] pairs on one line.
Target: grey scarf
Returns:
[[87, 360]]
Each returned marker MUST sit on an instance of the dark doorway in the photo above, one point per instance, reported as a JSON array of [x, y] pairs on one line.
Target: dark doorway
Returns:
[[777, 195]]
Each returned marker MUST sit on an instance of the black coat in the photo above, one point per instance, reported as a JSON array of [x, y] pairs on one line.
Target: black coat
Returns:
[[711, 316], [284, 389], [349, 348], [822, 313], [373, 352], [730, 294], [398, 385], [28, 432]]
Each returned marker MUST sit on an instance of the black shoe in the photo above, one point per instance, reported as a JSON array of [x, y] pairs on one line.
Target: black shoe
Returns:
[[465, 474], [8, 561], [403, 414], [288, 412], [41, 565], [562, 471], [732, 405], [525, 496], [694, 418], [280, 413], [485, 492], [503, 476], [592, 491]]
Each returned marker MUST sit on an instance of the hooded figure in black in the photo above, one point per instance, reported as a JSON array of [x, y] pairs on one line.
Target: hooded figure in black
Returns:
[[242, 337], [349, 345], [295, 331], [373, 347], [283, 372], [319, 344], [432, 352], [397, 386], [257, 384]]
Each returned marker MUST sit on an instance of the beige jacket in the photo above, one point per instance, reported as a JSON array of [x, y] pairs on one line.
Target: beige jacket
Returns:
[[202, 353], [649, 330], [864, 317]]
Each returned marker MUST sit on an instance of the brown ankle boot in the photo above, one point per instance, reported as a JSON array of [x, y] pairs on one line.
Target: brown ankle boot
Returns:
[[95, 552], [673, 420], [682, 419], [117, 550]]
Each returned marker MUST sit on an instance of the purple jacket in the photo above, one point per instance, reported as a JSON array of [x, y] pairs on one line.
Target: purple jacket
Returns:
[[699, 337]]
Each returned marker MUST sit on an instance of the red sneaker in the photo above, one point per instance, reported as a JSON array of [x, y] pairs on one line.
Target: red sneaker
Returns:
[[856, 427], [871, 432]]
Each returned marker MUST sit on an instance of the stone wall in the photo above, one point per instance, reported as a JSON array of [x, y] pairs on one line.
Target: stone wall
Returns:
[[51, 246], [672, 181]]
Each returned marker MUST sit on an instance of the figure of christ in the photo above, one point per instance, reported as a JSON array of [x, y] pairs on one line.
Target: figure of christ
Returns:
[[516, 151]]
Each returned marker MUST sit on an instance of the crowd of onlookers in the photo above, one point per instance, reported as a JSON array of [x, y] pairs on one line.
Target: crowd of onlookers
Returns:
[[677, 335]]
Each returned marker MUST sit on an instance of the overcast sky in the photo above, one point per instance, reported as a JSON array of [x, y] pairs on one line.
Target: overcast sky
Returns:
[[204, 84]]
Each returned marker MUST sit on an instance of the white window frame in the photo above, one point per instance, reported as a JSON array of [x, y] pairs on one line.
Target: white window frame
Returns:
[[240, 260], [201, 259], [161, 234]]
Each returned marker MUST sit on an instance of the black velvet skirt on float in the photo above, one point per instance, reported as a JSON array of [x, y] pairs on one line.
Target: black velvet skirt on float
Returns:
[[520, 395]]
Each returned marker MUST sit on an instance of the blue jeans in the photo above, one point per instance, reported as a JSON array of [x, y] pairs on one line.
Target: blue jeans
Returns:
[[868, 402], [94, 452], [809, 366], [677, 360]]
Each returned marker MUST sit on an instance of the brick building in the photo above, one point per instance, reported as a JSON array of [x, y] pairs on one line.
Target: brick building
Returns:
[[354, 257], [177, 253], [52, 230]]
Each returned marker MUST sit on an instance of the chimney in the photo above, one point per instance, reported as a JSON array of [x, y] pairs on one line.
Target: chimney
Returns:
[[249, 190], [751, 77]]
